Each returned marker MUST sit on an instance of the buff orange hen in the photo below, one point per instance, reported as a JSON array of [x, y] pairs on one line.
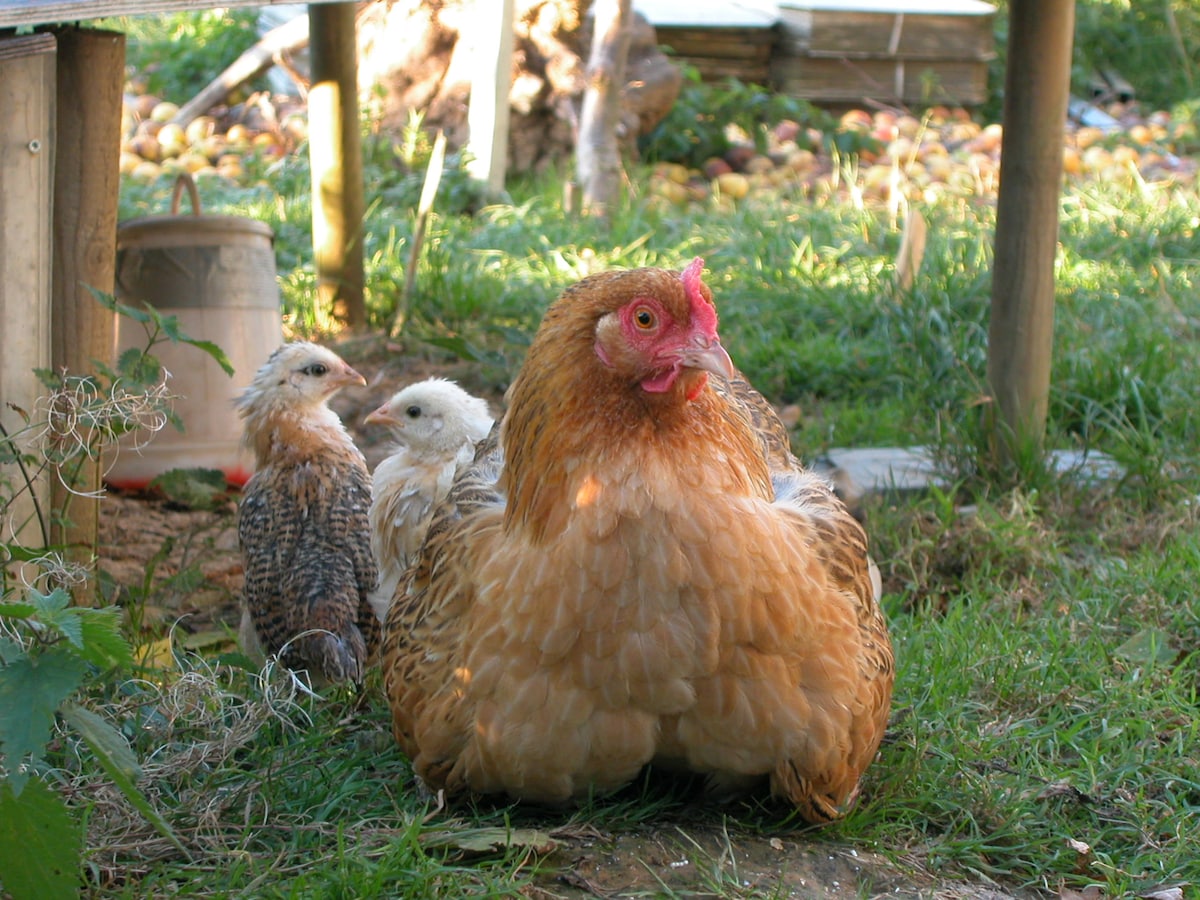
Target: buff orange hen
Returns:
[[639, 572]]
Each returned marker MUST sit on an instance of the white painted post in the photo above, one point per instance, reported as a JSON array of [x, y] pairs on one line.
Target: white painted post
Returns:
[[491, 81]]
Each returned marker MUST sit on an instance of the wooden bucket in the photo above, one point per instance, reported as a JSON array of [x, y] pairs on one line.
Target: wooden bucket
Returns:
[[216, 275]]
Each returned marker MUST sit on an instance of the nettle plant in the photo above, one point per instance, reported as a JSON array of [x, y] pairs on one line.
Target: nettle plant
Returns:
[[53, 655]]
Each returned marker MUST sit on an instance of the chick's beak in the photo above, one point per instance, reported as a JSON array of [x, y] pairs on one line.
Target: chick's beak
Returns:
[[349, 376], [708, 355], [381, 416]]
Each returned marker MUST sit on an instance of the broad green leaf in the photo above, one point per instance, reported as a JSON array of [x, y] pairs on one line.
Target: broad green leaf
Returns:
[[139, 366], [10, 650], [116, 757], [194, 488], [170, 327], [1147, 647], [104, 644], [52, 611], [212, 350], [106, 742], [460, 347], [17, 610], [30, 692], [40, 844]]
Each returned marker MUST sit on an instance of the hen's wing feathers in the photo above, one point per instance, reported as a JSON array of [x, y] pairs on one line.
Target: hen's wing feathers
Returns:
[[737, 392], [839, 542]]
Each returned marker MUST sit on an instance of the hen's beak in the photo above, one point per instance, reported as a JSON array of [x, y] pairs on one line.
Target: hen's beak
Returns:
[[708, 355]]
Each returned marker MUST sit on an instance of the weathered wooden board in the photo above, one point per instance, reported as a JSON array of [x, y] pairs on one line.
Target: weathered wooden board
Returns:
[[47, 12], [923, 82], [905, 35], [27, 92]]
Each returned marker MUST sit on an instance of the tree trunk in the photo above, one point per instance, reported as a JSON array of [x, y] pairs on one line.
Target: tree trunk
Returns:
[[597, 155]]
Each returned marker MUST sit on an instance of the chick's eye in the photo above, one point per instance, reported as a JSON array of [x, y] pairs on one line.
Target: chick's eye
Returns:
[[645, 319], [413, 412], [317, 369]]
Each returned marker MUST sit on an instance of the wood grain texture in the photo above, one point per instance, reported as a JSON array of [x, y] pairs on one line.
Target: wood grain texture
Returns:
[[49, 12]]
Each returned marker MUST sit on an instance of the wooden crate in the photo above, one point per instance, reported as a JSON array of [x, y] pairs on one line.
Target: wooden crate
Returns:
[[721, 39], [916, 52]]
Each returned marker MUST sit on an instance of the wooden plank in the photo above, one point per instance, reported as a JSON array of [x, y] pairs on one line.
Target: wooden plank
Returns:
[[1020, 334], [706, 36], [706, 14], [49, 12], [720, 46], [335, 147], [925, 81], [27, 94], [901, 34], [91, 67]]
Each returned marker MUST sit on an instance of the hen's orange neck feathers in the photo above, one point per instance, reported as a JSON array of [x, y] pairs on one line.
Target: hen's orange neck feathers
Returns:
[[620, 362]]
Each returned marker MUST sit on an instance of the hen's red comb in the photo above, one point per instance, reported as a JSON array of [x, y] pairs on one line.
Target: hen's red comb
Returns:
[[703, 311]]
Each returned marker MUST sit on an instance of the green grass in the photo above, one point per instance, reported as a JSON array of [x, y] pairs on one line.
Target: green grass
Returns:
[[1045, 732], [1045, 727]]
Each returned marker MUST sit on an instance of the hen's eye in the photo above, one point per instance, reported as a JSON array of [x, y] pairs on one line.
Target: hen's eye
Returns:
[[413, 412], [317, 369], [645, 319]]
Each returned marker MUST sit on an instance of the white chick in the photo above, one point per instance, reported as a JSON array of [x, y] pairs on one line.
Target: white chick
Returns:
[[436, 425]]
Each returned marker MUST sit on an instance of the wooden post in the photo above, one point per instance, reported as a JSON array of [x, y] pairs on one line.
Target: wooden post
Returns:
[[27, 174], [491, 83], [336, 156], [1020, 336], [91, 67]]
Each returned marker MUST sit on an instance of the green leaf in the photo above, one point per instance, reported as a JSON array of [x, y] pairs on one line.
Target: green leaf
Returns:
[[1147, 647], [104, 645], [460, 347], [170, 327], [212, 350], [30, 692], [139, 366], [108, 301], [17, 610], [116, 757], [194, 488], [40, 844], [109, 745], [490, 839], [52, 611], [10, 650]]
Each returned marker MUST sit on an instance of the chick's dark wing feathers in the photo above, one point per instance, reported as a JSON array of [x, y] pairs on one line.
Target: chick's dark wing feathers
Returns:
[[308, 565]]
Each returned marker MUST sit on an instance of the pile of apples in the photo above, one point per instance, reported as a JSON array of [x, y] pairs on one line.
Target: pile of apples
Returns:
[[152, 144], [901, 155], [894, 154]]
